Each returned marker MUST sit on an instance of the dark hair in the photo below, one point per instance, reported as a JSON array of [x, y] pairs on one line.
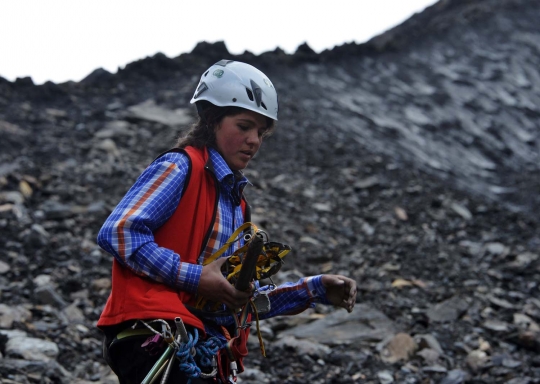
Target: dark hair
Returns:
[[202, 132]]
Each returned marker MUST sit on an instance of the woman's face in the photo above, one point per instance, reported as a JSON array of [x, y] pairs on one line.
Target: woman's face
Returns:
[[239, 137]]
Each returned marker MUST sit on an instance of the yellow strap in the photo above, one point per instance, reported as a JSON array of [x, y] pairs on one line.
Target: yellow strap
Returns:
[[201, 301], [232, 239], [259, 335]]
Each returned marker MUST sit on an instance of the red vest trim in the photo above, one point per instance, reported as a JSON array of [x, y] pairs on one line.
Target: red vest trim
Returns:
[[186, 233]]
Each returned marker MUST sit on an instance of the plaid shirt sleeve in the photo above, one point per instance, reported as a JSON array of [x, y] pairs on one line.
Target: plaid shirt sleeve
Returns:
[[293, 298], [287, 299], [128, 232]]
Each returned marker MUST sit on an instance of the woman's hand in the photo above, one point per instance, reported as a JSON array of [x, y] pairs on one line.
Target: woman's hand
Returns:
[[340, 291], [213, 286]]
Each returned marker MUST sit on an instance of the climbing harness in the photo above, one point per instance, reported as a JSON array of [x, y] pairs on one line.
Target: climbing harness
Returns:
[[187, 349]]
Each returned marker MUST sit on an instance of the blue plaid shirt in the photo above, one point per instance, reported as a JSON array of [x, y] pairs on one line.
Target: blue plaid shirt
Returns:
[[152, 200]]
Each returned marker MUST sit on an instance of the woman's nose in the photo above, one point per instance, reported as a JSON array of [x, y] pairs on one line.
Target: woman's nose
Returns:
[[253, 137]]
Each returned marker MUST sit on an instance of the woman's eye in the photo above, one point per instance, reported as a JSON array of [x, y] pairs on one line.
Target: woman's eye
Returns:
[[243, 127]]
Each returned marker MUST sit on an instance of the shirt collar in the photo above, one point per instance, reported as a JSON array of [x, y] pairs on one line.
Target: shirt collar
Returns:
[[224, 174]]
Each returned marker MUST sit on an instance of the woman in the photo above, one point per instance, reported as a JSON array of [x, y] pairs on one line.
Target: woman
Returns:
[[179, 212]]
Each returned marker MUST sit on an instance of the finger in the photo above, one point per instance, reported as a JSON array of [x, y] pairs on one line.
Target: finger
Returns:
[[348, 305], [350, 284], [236, 304], [351, 294], [219, 262], [351, 302], [249, 290], [239, 298], [350, 287], [241, 295]]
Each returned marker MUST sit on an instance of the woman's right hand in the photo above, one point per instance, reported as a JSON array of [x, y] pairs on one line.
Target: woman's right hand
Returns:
[[214, 287]]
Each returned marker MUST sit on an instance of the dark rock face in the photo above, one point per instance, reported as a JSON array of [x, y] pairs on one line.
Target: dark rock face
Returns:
[[409, 163], [456, 96]]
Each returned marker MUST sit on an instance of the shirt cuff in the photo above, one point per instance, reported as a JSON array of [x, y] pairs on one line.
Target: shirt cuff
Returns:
[[317, 289], [188, 277]]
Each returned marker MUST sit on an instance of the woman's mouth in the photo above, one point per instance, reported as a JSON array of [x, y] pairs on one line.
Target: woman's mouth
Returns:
[[247, 154]]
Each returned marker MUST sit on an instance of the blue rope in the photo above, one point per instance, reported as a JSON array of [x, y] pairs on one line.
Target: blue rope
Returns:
[[187, 362], [205, 350]]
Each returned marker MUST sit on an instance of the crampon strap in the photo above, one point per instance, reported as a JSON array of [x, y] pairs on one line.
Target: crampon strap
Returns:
[[268, 264]]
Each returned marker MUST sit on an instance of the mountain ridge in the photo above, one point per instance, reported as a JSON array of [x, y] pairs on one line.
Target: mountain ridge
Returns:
[[409, 163]]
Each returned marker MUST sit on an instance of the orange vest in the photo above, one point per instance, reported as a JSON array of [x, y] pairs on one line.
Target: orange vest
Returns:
[[186, 233]]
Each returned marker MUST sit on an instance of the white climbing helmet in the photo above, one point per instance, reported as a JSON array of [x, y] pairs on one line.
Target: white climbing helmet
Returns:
[[235, 84]]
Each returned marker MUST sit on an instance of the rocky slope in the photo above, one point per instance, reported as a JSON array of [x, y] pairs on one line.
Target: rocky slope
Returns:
[[409, 163]]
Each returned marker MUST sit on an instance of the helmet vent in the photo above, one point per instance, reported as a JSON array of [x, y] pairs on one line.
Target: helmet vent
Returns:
[[264, 106], [206, 73], [257, 91], [200, 89], [250, 94], [224, 63]]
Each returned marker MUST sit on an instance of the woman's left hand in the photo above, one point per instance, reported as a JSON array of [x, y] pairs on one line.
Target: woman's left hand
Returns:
[[340, 291]]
